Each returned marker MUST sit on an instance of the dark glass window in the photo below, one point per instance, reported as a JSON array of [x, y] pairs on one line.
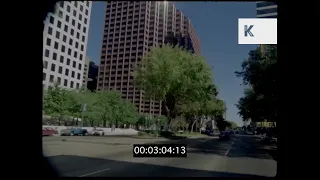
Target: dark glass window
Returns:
[[264, 4], [267, 11]]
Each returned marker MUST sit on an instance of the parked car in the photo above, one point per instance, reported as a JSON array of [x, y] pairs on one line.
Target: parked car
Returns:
[[73, 132], [224, 135], [66, 132], [97, 132], [79, 131], [209, 132], [47, 131]]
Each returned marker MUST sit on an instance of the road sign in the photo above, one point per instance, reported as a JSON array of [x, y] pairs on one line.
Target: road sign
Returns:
[[84, 107]]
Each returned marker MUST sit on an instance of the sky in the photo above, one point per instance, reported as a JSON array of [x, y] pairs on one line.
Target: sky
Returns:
[[216, 24]]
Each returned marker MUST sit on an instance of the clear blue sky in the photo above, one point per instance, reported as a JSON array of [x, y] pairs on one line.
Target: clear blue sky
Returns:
[[216, 24]]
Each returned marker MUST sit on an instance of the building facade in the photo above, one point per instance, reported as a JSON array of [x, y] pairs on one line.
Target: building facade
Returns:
[[131, 29], [92, 76], [65, 38], [266, 9], [85, 72]]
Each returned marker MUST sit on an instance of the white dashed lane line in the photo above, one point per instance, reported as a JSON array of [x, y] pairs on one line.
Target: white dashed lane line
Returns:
[[229, 148], [96, 172]]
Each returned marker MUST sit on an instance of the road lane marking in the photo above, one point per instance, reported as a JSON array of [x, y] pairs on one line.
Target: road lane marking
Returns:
[[95, 172], [225, 154], [204, 140]]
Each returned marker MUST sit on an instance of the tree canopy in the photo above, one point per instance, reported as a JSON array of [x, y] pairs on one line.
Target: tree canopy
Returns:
[[259, 73], [101, 107], [181, 80], [233, 125]]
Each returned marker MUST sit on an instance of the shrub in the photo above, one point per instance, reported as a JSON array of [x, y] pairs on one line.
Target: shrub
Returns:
[[142, 133]]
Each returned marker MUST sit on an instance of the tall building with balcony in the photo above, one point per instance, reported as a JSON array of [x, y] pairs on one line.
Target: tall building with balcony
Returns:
[[266, 9], [65, 38], [131, 29]]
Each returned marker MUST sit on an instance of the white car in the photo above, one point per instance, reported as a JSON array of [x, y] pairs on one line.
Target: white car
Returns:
[[97, 132]]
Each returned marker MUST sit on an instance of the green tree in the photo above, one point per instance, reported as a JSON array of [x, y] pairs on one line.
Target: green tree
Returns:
[[57, 102], [199, 111], [221, 123], [101, 107], [233, 125], [259, 72], [113, 109], [162, 120], [91, 115], [141, 121], [127, 112], [174, 76]]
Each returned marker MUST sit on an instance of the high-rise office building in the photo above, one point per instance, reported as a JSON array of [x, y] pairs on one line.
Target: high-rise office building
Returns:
[[65, 38], [86, 71], [131, 29], [266, 9], [92, 76]]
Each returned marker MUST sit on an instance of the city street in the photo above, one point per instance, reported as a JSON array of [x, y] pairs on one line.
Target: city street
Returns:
[[242, 156]]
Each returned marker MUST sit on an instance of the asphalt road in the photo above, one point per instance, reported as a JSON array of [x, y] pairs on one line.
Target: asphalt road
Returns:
[[242, 156]]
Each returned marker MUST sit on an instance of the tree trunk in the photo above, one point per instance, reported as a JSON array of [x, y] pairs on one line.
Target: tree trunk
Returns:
[[201, 123], [59, 120], [167, 112], [104, 121], [194, 122], [169, 107]]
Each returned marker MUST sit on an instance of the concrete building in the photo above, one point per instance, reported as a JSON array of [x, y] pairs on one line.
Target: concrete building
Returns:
[[266, 9], [65, 38], [131, 29], [86, 72]]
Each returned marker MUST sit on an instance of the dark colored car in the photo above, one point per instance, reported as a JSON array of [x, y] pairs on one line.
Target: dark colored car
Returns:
[[224, 135], [74, 132], [48, 131], [209, 132], [79, 132]]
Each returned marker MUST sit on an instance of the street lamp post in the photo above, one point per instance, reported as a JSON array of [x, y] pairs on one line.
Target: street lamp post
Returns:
[[84, 108]]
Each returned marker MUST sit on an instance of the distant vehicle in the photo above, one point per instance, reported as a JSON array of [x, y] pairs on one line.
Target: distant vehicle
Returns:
[[209, 132], [48, 131], [249, 132], [73, 132], [224, 135], [79, 131], [66, 132], [97, 132], [231, 132]]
